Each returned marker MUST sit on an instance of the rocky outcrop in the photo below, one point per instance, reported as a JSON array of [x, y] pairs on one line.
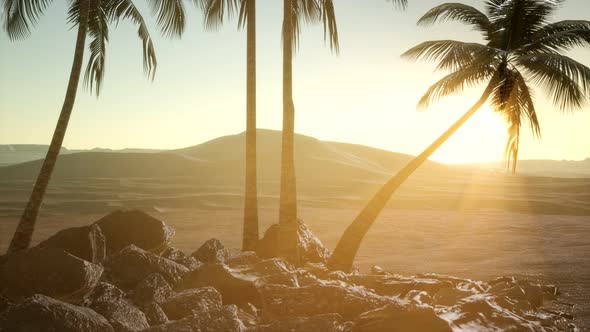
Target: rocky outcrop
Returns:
[[133, 264], [49, 271], [43, 313], [212, 252], [223, 319], [123, 316], [87, 243], [311, 248], [191, 301], [180, 257], [132, 227], [235, 287]]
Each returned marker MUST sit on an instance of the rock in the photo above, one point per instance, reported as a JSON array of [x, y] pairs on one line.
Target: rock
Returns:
[[42, 313], [273, 266], [154, 313], [248, 314], [311, 248], [243, 259], [180, 257], [48, 271], [393, 318], [133, 227], [191, 301], [280, 302], [132, 264], [223, 319], [235, 287], [85, 242], [212, 251], [154, 288], [377, 270], [5, 303], [324, 323], [285, 279], [109, 301]]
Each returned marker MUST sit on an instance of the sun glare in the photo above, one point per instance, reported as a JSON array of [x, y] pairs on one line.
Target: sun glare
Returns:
[[482, 138]]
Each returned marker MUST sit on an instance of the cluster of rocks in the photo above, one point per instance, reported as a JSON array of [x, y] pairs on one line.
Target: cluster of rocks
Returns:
[[120, 274]]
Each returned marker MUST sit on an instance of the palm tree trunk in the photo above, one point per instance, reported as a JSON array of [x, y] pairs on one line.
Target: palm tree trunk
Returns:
[[349, 243], [24, 231], [287, 246], [250, 237]]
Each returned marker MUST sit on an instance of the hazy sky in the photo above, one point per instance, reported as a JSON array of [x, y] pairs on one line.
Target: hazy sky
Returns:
[[366, 95]]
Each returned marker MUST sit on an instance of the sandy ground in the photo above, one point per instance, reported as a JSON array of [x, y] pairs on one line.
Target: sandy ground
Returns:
[[475, 244]]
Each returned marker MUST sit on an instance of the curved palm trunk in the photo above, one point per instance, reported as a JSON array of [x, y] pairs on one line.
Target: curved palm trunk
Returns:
[[24, 231], [250, 237], [349, 243], [288, 197]]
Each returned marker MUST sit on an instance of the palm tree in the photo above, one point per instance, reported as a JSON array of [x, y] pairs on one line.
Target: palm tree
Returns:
[[214, 11], [92, 18], [522, 48], [295, 13]]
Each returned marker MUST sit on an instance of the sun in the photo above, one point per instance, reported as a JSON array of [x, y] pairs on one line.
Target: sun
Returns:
[[482, 138]]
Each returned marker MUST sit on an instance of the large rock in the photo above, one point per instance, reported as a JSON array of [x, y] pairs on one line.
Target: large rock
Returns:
[[311, 248], [191, 301], [154, 288], [86, 242], [154, 314], [235, 287], [132, 264], [324, 323], [180, 257], [126, 227], [243, 259], [223, 319], [280, 302], [212, 251], [109, 301], [48, 271], [44, 314], [393, 318]]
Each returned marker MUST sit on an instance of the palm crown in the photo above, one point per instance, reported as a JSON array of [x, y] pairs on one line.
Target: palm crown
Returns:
[[20, 15], [522, 49]]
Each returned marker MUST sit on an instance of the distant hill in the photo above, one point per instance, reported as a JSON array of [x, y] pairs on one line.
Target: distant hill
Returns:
[[19, 153], [555, 168]]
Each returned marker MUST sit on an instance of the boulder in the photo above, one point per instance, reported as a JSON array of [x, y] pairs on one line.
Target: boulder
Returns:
[[212, 251], [280, 302], [180, 257], [85, 242], [235, 287], [48, 271], [132, 264], [223, 319], [43, 313], [243, 259], [154, 313], [191, 301], [154, 288], [133, 227], [311, 248], [123, 316], [393, 318], [273, 266], [324, 323]]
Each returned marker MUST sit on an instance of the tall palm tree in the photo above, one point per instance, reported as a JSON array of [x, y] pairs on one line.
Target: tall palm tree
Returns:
[[215, 11], [295, 13], [92, 18], [522, 48]]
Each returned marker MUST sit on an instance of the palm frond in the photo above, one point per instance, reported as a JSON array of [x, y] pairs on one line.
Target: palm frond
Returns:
[[567, 80], [169, 16], [99, 31], [558, 37], [457, 81], [215, 11], [19, 16], [400, 4], [458, 12], [452, 54], [125, 9], [330, 26]]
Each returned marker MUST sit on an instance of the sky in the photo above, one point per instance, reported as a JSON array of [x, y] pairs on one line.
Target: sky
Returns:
[[366, 94]]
